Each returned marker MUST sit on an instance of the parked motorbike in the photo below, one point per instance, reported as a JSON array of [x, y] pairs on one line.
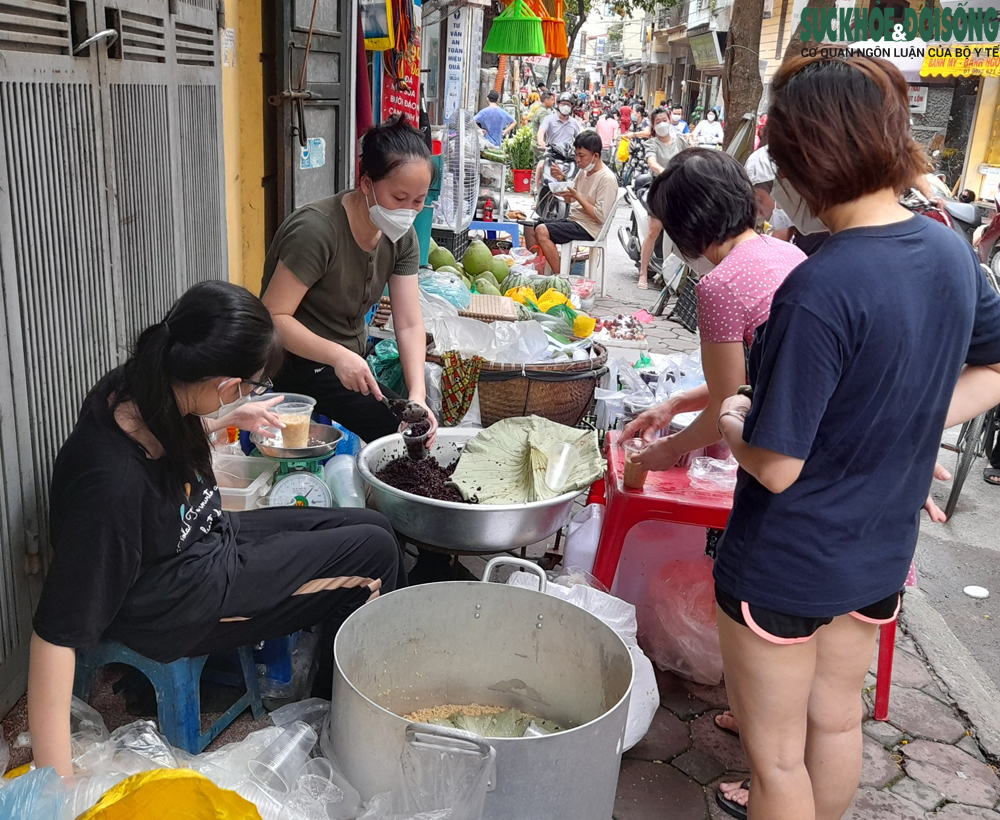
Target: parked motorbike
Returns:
[[636, 165], [548, 206], [988, 246], [962, 217]]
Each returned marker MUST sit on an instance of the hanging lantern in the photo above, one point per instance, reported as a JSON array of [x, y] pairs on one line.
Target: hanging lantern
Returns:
[[517, 32]]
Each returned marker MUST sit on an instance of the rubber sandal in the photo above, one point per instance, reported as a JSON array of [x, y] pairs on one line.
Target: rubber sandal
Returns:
[[992, 472], [731, 807], [723, 728], [642, 285]]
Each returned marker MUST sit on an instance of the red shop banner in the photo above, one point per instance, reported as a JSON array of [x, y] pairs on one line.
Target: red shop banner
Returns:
[[402, 95]]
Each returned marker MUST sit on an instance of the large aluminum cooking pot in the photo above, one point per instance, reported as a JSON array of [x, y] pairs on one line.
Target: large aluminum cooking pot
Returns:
[[462, 642], [450, 525]]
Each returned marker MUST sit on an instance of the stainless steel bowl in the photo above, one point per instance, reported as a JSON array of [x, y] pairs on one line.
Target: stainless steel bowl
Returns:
[[485, 528], [323, 439]]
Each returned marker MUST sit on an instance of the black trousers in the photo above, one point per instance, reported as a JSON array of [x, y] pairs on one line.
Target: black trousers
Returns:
[[364, 416], [302, 567]]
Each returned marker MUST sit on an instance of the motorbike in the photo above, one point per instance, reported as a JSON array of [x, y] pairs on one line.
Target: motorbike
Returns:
[[636, 164], [548, 206], [962, 217], [988, 246], [662, 271]]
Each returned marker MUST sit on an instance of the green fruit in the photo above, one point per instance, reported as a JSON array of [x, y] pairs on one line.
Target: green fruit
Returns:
[[477, 258], [433, 244], [441, 257], [499, 269], [449, 269], [489, 277], [486, 287]]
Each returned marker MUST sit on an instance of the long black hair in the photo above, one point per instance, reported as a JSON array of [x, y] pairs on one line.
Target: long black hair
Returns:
[[214, 329]]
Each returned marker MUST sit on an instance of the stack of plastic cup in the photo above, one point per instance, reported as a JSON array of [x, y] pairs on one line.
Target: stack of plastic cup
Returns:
[[278, 765], [563, 459]]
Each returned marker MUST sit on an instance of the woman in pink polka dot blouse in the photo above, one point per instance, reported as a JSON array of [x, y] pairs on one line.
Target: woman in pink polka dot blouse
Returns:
[[706, 203]]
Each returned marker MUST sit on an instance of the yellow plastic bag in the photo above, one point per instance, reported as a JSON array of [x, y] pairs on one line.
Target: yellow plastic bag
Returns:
[[550, 299], [624, 149], [583, 325], [170, 794], [522, 295]]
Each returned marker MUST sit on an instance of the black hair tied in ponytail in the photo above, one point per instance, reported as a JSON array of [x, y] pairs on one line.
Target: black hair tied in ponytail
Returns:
[[214, 329]]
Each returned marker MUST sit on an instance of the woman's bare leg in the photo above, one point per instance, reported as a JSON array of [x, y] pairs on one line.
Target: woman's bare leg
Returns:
[[768, 687], [833, 742], [648, 244]]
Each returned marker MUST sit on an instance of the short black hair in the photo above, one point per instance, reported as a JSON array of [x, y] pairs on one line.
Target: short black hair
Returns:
[[493, 96], [546, 95], [703, 197], [677, 108], [589, 141], [657, 112], [390, 144]]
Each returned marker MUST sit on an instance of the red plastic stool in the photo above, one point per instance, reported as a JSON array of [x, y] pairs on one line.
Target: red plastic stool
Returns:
[[886, 649], [667, 496]]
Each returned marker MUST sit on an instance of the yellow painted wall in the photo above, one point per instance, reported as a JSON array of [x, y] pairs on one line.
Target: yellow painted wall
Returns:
[[242, 112], [769, 36]]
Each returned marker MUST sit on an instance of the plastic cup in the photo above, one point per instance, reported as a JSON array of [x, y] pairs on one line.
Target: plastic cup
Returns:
[[416, 444], [563, 459], [296, 416], [635, 474], [278, 765], [344, 480]]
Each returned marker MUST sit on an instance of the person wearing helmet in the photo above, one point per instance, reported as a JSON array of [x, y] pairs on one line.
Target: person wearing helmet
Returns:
[[560, 127]]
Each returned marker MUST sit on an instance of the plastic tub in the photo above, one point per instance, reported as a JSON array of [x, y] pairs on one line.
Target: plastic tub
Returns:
[[242, 480]]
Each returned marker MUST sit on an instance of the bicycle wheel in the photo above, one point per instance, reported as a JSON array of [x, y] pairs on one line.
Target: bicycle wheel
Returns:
[[969, 449]]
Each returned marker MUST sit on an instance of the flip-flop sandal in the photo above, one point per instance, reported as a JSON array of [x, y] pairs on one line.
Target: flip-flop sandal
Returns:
[[731, 807], [991, 475], [715, 720], [642, 285]]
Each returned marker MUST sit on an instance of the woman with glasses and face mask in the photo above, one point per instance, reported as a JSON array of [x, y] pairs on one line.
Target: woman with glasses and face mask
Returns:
[[329, 263], [143, 552], [708, 133]]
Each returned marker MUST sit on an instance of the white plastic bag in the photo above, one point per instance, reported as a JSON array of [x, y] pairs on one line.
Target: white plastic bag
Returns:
[[582, 537], [499, 342], [678, 620], [681, 371], [621, 617], [712, 474], [611, 403]]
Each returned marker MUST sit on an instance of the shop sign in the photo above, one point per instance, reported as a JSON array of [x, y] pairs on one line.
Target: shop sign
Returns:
[[961, 61], [705, 48], [473, 56], [454, 63], [403, 96], [918, 99]]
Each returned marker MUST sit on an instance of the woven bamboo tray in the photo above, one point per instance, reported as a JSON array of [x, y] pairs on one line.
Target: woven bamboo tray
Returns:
[[482, 308]]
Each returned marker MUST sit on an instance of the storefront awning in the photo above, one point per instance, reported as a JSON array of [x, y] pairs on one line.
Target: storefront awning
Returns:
[[937, 64]]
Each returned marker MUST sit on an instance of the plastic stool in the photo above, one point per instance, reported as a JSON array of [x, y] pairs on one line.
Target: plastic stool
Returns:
[[276, 656], [178, 697], [667, 496]]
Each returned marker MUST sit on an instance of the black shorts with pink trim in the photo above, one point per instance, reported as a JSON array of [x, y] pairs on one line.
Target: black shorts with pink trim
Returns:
[[779, 628]]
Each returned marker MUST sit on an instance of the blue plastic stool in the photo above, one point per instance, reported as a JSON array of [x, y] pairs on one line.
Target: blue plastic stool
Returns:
[[276, 656], [178, 697]]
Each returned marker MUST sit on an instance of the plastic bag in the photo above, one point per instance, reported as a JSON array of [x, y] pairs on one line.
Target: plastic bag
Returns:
[[445, 284], [36, 795], [712, 474], [86, 727], [499, 342], [678, 620], [312, 711], [386, 366], [681, 371], [432, 384], [582, 537], [621, 617], [610, 404], [132, 748]]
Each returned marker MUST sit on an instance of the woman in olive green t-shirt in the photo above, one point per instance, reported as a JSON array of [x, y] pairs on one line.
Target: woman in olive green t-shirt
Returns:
[[329, 263]]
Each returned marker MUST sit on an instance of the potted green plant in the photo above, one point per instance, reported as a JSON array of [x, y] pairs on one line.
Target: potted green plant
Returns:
[[520, 152]]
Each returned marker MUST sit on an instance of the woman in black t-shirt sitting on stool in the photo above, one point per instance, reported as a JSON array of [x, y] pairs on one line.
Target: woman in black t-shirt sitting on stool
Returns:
[[144, 553]]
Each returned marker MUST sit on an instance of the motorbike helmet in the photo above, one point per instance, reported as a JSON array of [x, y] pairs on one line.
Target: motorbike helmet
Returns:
[[565, 97]]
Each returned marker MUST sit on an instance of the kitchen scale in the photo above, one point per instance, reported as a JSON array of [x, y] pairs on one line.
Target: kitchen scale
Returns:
[[299, 481]]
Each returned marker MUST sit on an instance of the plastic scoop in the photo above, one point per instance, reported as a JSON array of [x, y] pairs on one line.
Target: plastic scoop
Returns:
[[405, 410]]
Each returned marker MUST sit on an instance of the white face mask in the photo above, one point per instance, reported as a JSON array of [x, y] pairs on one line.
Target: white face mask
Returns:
[[711, 117], [394, 224], [675, 118], [662, 129], [795, 208], [225, 408], [701, 265], [566, 110], [588, 168]]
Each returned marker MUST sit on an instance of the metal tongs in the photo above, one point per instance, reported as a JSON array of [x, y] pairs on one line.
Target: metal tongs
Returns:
[[405, 410]]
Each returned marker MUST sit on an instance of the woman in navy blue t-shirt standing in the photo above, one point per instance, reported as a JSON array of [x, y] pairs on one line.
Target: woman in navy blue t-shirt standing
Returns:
[[874, 345]]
